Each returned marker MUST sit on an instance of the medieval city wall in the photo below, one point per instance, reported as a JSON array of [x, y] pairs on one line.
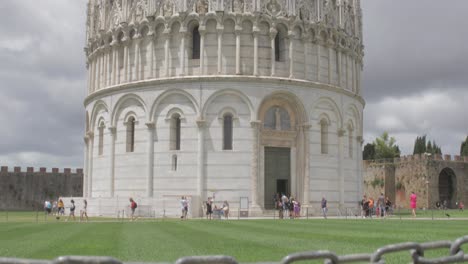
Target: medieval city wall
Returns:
[[398, 177], [27, 190]]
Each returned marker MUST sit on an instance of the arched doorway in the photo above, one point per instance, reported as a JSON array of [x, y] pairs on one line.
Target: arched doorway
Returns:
[[448, 187], [282, 149]]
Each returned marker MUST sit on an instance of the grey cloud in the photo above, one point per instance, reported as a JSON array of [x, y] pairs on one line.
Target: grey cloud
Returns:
[[414, 45]]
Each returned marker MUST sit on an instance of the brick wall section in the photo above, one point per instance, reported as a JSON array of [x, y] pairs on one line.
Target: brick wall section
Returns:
[[418, 173], [21, 190]]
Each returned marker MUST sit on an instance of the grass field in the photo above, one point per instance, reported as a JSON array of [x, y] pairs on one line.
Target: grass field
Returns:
[[246, 240]]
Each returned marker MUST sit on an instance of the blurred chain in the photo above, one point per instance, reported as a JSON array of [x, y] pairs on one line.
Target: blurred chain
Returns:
[[416, 253]]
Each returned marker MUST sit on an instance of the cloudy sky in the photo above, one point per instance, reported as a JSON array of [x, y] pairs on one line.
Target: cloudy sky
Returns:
[[415, 76]]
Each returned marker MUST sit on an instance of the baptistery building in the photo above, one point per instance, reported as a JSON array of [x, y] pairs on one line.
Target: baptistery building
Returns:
[[232, 99]]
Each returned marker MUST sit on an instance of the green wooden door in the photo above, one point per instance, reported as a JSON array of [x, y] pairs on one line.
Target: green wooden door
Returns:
[[277, 173]]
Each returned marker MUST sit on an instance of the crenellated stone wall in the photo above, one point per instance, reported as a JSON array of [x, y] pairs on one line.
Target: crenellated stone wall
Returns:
[[27, 190], [398, 177]]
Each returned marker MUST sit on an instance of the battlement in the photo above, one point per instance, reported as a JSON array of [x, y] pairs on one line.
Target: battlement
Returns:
[[421, 157], [17, 169]]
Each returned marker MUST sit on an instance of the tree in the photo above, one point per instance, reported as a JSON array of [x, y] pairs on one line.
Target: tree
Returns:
[[369, 152], [464, 148], [385, 147], [420, 145]]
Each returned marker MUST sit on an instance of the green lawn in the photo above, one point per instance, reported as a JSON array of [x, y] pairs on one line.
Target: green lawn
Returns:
[[246, 240]]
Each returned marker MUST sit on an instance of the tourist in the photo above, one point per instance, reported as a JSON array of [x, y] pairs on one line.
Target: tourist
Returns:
[[461, 206], [361, 203], [381, 205], [61, 207], [324, 207], [185, 204], [280, 209], [133, 206], [182, 207], [72, 210], [84, 212], [54, 208], [413, 199], [285, 203], [209, 209], [371, 206], [47, 207], [297, 208], [388, 206], [226, 209]]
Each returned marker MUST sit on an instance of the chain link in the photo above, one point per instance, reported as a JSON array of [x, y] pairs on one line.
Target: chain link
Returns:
[[416, 251]]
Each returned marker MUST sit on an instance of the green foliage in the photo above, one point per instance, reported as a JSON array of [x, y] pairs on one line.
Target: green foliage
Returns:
[[377, 182], [464, 148], [385, 147], [421, 147], [369, 152], [399, 186]]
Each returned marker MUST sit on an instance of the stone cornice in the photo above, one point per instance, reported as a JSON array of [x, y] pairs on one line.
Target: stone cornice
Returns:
[[218, 78]]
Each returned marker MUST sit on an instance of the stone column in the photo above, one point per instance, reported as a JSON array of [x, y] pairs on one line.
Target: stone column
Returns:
[[254, 173], [85, 169], [338, 67], [291, 37], [201, 160], [90, 163], [318, 62], [306, 131], [220, 31], [202, 31], [329, 50], [273, 33], [306, 41], [112, 132], [255, 33], [238, 32], [137, 57], [110, 54], [114, 64], [150, 157], [360, 179], [126, 58], [151, 36], [183, 34], [166, 35], [341, 133], [98, 69]]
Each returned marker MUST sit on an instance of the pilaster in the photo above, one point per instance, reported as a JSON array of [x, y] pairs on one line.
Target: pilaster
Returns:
[[291, 38], [150, 159], [341, 133], [254, 173], [273, 33], [112, 133], [238, 31], [202, 31], [220, 31], [255, 33], [201, 160]]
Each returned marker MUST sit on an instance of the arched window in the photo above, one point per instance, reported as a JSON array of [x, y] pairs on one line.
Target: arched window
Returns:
[[227, 132], [174, 163], [131, 134], [101, 139], [280, 44], [175, 132], [195, 43], [350, 141], [324, 136]]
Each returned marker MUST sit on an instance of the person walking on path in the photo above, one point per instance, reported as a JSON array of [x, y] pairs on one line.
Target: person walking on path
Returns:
[[133, 206], [381, 205], [413, 199], [324, 207], [209, 209], [72, 211], [84, 212]]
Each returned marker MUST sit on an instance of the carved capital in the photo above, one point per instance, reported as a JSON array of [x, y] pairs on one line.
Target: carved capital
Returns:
[[341, 132], [201, 123], [255, 124], [90, 135], [112, 130], [150, 125]]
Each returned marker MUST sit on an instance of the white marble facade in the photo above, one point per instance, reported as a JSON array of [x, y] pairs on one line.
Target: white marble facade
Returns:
[[288, 73]]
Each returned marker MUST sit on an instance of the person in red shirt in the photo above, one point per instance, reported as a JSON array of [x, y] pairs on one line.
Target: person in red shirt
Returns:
[[133, 206]]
